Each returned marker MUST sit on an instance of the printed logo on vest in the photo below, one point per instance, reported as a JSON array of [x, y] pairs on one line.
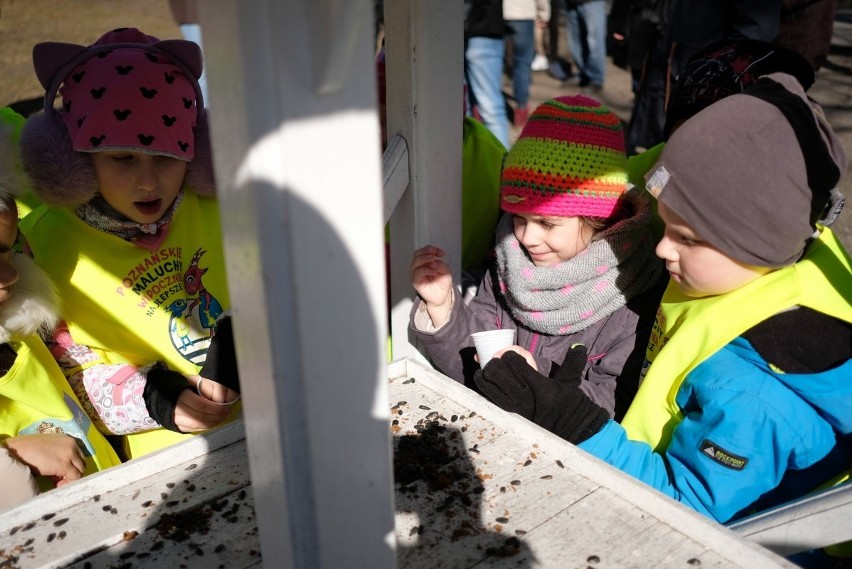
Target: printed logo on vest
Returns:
[[723, 457], [192, 323], [77, 426]]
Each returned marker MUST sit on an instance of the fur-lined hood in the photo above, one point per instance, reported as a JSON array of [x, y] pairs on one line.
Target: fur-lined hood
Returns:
[[61, 176], [33, 307]]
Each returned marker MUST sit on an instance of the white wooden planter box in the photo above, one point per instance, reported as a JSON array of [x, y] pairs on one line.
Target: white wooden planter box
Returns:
[[509, 495]]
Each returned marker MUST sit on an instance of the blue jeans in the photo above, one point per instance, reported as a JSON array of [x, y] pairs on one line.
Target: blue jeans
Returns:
[[483, 72], [523, 51], [586, 27]]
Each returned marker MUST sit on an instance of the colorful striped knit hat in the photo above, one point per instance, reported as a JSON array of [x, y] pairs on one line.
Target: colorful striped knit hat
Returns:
[[568, 161]]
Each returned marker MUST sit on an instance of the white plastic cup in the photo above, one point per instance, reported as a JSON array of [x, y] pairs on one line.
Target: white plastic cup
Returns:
[[491, 341]]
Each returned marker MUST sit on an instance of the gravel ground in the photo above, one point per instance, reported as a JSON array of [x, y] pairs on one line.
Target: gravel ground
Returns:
[[24, 23]]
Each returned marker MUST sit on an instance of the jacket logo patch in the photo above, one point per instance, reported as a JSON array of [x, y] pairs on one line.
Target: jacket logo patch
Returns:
[[723, 457]]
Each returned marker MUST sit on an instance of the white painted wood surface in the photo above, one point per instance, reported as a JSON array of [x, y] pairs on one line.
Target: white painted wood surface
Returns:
[[578, 512], [424, 53], [184, 505], [297, 155], [395, 173], [812, 522], [500, 492]]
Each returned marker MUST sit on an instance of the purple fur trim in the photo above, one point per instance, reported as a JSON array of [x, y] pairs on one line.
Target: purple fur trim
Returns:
[[58, 175], [199, 174], [61, 176]]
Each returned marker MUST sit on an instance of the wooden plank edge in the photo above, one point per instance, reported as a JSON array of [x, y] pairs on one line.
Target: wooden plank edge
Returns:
[[698, 527], [131, 471]]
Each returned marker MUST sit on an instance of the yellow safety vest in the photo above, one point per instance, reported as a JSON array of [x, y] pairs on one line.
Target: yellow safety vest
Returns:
[[687, 330], [35, 398], [132, 305]]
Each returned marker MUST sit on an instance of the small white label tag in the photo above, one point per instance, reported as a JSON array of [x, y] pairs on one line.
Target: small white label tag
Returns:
[[658, 181]]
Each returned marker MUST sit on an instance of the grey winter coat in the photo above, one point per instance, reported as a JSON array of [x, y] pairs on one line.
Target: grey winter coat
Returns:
[[616, 344]]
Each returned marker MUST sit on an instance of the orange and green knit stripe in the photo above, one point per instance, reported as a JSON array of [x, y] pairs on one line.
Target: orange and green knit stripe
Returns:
[[568, 161]]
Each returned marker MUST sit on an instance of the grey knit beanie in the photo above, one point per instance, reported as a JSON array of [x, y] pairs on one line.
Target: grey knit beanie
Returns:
[[752, 173]]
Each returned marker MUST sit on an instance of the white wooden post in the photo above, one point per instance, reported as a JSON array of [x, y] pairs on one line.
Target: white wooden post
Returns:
[[297, 150], [424, 54]]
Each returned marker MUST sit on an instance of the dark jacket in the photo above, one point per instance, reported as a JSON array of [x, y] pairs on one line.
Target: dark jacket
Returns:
[[484, 18], [616, 344]]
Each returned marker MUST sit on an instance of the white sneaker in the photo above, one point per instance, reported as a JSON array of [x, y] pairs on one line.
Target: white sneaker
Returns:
[[539, 62]]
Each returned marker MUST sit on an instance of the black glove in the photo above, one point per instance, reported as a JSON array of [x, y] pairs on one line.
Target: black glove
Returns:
[[162, 389], [220, 363], [556, 403]]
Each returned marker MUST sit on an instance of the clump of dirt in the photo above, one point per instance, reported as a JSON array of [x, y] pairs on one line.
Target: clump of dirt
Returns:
[[179, 526]]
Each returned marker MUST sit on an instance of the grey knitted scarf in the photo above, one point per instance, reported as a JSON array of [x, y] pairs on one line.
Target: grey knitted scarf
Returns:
[[570, 296]]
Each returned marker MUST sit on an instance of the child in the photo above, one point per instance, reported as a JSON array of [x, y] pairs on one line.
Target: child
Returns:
[[574, 264], [719, 70], [45, 437], [747, 402], [129, 232]]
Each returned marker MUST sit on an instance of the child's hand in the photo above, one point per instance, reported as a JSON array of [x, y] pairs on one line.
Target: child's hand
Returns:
[[433, 281], [194, 412], [213, 390], [53, 455], [430, 276], [520, 351]]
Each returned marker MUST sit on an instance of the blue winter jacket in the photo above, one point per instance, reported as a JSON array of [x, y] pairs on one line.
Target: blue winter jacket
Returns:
[[750, 437]]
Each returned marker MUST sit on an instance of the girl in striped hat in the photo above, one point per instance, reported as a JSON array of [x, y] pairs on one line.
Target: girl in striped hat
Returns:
[[574, 260]]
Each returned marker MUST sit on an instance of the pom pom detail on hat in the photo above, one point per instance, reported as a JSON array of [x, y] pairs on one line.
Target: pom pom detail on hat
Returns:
[[568, 161]]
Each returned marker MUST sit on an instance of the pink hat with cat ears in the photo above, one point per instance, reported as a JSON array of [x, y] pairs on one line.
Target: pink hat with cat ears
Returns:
[[127, 91]]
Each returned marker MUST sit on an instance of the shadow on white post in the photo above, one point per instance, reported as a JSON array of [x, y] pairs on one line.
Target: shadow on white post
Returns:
[[296, 139]]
